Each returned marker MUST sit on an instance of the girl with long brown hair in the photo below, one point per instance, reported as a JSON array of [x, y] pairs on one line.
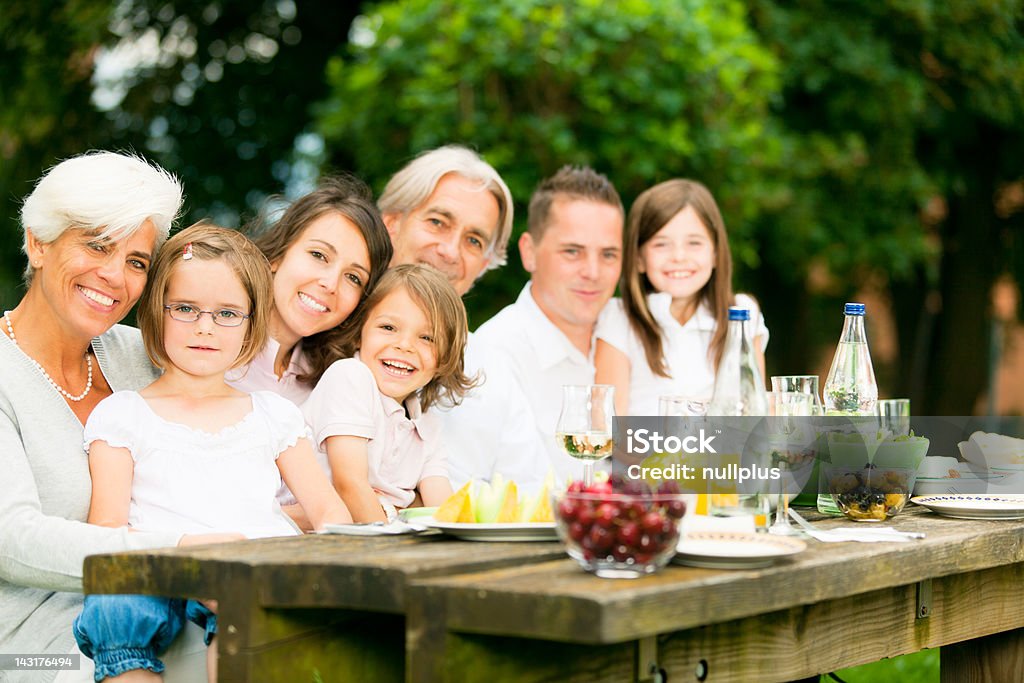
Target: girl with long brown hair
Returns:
[[668, 334]]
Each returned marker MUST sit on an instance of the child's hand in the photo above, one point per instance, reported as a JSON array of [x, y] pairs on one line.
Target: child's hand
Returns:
[[207, 539]]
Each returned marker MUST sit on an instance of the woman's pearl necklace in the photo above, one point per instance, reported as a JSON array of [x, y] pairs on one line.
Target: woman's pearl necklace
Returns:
[[62, 390]]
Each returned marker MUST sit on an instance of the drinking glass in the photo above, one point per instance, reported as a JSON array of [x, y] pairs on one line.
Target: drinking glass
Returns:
[[682, 406], [894, 416], [692, 413], [584, 429], [786, 437], [753, 505], [806, 384]]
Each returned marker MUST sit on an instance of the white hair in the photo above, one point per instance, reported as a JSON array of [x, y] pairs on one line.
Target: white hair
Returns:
[[418, 179], [109, 192]]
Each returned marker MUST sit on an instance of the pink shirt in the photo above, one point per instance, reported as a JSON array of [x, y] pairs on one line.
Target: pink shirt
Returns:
[[259, 375], [401, 451]]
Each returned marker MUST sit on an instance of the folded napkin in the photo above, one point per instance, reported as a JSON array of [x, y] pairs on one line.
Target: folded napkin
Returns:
[[864, 534], [374, 529]]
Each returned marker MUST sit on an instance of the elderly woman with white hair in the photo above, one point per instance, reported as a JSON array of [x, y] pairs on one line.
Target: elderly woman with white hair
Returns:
[[91, 228]]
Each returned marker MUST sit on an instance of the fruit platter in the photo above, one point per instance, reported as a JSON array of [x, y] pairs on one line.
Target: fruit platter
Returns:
[[495, 511]]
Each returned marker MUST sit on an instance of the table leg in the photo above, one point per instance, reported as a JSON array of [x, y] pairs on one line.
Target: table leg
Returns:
[[256, 643], [991, 659]]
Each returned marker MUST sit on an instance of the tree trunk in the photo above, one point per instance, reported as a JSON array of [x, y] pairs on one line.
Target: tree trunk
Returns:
[[958, 368]]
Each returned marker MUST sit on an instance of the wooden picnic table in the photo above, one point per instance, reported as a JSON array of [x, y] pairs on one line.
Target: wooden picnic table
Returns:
[[431, 609]]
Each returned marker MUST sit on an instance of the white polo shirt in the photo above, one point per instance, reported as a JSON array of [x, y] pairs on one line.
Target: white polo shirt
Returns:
[[685, 348], [537, 359]]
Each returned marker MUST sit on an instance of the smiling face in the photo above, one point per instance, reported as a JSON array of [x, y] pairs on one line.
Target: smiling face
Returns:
[[680, 257], [397, 345], [90, 284], [203, 348], [575, 265], [453, 230], [320, 279]]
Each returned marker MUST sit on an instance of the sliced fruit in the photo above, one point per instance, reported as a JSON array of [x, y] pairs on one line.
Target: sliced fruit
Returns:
[[458, 507], [538, 507], [509, 511]]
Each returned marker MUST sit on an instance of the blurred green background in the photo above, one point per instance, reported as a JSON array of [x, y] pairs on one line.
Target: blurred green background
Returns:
[[860, 149]]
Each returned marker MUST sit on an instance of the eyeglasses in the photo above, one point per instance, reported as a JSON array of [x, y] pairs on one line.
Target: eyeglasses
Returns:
[[225, 317]]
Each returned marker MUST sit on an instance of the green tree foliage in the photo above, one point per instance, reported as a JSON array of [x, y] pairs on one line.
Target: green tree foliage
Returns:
[[907, 120], [641, 90], [848, 142], [47, 52], [227, 93], [215, 90]]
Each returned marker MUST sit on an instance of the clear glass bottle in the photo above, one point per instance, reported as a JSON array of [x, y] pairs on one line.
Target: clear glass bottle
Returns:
[[850, 388], [739, 387]]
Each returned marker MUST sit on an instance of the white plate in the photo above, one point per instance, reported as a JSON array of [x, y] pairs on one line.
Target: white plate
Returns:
[[534, 531], [938, 486], [966, 506], [734, 549]]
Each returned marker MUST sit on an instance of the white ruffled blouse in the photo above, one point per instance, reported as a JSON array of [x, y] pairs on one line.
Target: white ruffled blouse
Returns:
[[190, 481]]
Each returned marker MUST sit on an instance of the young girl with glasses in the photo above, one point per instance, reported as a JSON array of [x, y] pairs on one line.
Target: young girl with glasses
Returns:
[[189, 453], [370, 414], [667, 334]]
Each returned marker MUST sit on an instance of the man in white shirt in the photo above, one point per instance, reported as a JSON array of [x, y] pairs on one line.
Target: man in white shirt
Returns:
[[573, 252], [450, 209]]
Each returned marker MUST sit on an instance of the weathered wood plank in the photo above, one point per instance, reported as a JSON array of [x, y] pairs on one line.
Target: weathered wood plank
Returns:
[[556, 600], [992, 659], [310, 571], [779, 646]]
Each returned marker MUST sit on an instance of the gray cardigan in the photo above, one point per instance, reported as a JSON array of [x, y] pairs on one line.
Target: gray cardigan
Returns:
[[44, 498]]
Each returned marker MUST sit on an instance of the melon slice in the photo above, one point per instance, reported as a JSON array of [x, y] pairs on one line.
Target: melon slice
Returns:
[[458, 507]]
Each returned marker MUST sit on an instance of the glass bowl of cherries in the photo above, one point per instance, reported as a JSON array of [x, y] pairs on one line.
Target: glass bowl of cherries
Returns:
[[619, 527]]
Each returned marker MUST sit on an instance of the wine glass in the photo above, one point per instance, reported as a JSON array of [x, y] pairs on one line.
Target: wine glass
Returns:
[[584, 429], [785, 438]]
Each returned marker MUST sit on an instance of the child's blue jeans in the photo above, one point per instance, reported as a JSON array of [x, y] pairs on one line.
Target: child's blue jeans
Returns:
[[125, 632]]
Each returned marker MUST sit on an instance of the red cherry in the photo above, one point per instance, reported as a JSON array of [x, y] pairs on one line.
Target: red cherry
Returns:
[[606, 514], [652, 522], [567, 509], [621, 553], [676, 509], [629, 533], [585, 514], [577, 531], [600, 538]]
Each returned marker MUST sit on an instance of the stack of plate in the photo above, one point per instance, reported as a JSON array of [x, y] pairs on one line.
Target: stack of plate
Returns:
[[938, 475]]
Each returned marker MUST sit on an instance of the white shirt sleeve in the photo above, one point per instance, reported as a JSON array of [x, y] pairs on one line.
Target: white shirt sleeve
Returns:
[[342, 403], [44, 551], [760, 329], [493, 430], [613, 326]]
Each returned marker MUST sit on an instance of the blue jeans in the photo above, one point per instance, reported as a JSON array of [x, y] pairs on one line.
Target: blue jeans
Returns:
[[125, 632]]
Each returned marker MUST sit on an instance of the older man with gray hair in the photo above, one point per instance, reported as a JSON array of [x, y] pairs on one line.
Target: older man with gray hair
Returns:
[[450, 209]]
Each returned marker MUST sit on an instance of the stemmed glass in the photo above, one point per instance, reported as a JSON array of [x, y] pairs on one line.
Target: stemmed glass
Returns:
[[785, 438], [584, 429]]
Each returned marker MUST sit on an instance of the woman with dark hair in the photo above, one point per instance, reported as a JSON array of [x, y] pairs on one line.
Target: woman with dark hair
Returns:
[[327, 252]]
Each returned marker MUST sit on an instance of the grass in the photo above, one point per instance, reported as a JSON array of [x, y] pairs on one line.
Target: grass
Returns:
[[920, 667]]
